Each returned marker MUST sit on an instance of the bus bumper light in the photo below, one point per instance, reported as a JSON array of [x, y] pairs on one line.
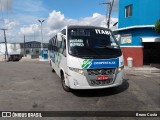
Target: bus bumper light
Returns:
[[80, 71], [120, 69]]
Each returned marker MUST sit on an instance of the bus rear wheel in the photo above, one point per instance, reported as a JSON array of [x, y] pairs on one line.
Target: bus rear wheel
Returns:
[[65, 87]]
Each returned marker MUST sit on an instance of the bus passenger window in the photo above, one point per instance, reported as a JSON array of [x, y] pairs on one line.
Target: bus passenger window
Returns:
[[64, 48], [56, 45]]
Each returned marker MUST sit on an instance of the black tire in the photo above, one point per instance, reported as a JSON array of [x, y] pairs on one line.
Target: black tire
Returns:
[[66, 88], [53, 70]]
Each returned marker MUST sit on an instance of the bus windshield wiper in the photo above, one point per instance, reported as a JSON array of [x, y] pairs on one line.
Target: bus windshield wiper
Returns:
[[111, 47]]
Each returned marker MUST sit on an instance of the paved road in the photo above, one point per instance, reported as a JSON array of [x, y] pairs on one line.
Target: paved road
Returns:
[[33, 87]]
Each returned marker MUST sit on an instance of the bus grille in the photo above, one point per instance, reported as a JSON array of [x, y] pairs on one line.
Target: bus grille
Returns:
[[109, 71], [94, 73]]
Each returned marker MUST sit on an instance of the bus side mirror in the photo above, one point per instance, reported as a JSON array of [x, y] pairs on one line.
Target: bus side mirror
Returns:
[[59, 36], [118, 37]]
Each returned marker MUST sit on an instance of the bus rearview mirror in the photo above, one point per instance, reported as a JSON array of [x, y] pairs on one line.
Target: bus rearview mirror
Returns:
[[59, 36]]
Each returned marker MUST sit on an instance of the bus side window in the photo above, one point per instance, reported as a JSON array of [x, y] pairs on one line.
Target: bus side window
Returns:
[[56, 44], [64, 31], [63, 47], [49, 46], [52, 44]]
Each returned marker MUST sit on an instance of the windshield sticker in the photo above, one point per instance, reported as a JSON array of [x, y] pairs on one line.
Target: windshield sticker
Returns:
[[103, 32], [76, 42], [110, 63], [80, 33]]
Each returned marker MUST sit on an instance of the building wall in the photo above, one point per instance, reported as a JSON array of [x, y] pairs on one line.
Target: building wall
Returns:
[[134, 52], [135, 48], [145, 12], [32, 48], [137, 34]]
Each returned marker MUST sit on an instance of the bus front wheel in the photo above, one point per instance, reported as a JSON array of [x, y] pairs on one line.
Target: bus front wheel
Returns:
[[65, 87]]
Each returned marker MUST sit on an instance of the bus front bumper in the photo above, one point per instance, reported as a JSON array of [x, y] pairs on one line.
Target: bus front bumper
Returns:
[[78, 81]]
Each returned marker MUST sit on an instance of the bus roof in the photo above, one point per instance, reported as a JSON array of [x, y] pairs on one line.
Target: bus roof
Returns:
[[79, 26], [84, 26]]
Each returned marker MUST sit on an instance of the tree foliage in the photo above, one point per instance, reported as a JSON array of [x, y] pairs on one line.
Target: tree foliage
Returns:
[[157, 26]]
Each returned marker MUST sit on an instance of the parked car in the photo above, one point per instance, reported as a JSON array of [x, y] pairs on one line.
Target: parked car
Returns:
[[15, 57]]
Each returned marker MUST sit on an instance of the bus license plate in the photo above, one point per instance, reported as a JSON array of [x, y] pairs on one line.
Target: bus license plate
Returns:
[[104, 77]]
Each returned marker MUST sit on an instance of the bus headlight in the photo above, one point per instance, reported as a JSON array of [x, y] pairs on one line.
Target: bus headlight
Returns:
[[80, 71], [120, 68]]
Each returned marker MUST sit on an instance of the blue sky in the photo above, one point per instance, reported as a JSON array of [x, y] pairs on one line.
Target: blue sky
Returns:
[[76, 8], [20, 16]]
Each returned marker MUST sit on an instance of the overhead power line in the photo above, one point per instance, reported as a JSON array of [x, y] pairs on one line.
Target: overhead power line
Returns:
[[109, 5]]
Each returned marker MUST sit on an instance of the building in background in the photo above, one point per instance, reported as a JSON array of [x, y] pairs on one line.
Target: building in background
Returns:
[[136, 28], [17, 50], [33, 48]]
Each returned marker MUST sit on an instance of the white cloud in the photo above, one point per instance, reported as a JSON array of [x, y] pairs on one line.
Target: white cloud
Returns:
[[10, 24], [28, 11], [57, 20], [30, 30]]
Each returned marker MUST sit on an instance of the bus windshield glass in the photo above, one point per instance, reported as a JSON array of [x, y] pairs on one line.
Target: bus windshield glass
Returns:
[[92, 43]]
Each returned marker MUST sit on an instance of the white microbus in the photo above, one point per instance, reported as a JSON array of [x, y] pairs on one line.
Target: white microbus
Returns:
[[86, 57]]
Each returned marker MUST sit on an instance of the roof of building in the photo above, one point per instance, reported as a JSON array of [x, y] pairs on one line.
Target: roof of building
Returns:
[[150, 39], [133, 27]]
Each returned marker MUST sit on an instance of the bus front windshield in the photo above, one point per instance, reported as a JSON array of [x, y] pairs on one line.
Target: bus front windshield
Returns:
[[92, 43]]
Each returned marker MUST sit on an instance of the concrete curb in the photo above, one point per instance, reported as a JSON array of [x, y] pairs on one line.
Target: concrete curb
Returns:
[[24, 59], [143, 69]]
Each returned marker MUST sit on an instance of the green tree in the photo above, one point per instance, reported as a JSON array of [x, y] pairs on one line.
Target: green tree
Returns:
[[157, 26]]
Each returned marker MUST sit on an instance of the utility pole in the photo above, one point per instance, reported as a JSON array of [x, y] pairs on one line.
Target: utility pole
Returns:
[[41, 21], [108, 17], [6, 52]]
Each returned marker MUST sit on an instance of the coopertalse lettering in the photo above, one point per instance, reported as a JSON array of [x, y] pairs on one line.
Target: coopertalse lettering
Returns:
[[104, 63]]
